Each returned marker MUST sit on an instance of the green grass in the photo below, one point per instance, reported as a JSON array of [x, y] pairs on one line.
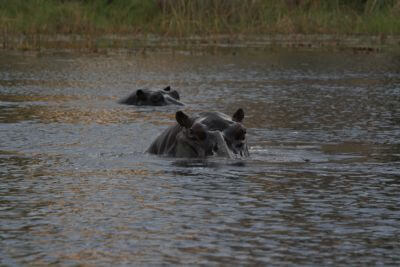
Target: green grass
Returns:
[[199, 17]]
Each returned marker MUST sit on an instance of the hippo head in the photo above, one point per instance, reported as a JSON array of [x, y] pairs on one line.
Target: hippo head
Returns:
[[235, 134], [172, 93], [195, 140], [206, 134], [145, 97]]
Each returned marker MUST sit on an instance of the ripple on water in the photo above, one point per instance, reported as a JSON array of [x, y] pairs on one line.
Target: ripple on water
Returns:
[[321, 185]]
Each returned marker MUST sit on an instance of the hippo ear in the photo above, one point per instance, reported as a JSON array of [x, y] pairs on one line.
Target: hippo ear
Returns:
[[183, 119], [140, 94], [168, 88], [238, 116]]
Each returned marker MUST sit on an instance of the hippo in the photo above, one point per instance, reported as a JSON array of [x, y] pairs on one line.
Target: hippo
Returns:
[[207, 134], [146, 97]]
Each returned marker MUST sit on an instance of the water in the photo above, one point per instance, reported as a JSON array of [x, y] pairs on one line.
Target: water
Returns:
[[321, 186]]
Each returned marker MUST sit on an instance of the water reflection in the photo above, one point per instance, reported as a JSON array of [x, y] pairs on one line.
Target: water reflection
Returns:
[[57, 111], [320, 186]]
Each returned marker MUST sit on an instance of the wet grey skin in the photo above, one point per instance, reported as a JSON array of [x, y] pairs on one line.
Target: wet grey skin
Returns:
[[232, 129], [208, 134], [147, 97]]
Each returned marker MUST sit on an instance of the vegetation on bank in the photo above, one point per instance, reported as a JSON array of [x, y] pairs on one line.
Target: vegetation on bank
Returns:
[[199, 17]]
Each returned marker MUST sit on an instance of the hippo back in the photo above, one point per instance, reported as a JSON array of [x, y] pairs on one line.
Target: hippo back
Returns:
[[166, 142]]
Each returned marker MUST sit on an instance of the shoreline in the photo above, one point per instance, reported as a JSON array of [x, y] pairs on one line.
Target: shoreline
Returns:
[[141, 43]]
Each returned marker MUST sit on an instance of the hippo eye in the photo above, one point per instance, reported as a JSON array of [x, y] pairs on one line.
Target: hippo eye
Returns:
[[201, 136], [156, 98], [192, 134], [198, 132]]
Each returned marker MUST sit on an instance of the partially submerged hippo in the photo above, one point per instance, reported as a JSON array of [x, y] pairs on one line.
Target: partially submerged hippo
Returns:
[[146, 97], [208, 134]]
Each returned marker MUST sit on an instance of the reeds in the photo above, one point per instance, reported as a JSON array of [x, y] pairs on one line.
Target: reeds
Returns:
[[185, 17], [199, 17]]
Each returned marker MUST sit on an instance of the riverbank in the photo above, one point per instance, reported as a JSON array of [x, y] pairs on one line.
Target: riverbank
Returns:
[[144, 43], [369, 25]]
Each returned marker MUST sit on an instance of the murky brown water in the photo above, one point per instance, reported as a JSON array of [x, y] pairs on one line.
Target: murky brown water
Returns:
[[321, 186]]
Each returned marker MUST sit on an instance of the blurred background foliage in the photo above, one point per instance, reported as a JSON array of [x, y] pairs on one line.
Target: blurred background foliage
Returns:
[[200, 17]]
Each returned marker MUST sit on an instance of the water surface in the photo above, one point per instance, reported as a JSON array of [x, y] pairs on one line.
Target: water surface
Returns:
[[321, 186]]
